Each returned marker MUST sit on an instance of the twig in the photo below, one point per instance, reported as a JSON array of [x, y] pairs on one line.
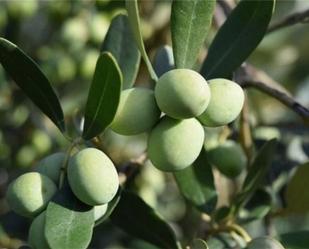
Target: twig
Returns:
[[279, 95], [299, 17]]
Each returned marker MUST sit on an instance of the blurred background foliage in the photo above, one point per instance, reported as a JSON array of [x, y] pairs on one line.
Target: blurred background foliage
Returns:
[[64, 38]]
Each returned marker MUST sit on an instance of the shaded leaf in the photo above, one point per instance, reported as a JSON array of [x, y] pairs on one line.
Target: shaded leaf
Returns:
[[28, 76], [190, 23], [295, 240], [164, 60], [297, 199], [135, 217], [196, 183], [104, 95], [199, 244], [257, 172], [69, 222], [119, 41], [133, 14], [240, 34]]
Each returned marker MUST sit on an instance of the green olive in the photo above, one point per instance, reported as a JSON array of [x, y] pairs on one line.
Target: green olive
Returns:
[[29, 194], [229, 158], [99, 211], [92, 177], [36, 237], [137, 112], [51, 165], [264, 243], [182, 93], [175, 144], [227, 99]]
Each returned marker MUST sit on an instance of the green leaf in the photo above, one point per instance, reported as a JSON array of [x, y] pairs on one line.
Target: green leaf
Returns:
[[164, 60], [133, 14], [135, 217], [69, 222], [295, 240], [110, 208], [119, 41], [28, 76], [190, 23], [199, 244], [297, 198], [257, 172], [240, 34], [104, 95], [196, 183]]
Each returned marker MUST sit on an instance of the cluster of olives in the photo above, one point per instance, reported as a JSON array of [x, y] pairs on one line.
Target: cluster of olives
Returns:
[[177, 138], [92, 177]]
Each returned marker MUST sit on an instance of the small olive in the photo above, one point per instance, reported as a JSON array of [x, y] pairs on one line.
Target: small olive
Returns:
[[264, 243]]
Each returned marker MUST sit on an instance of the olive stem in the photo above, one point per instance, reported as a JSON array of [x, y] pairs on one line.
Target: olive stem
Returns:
[[239, 230], [66, 160]]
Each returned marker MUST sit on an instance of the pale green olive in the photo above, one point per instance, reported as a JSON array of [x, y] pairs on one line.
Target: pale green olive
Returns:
[[227, 99], [264, 243], [36, 237], [229, 158], [182, 93], [137, 112], [175, 144], [92, 177], [51, 165], [29, 194], [99, 211]]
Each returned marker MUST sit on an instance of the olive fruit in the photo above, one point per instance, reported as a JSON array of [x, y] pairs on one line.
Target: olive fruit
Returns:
[[182, 93], [264, 243], [99, 211], [229, 158], [36, 237], [137, 112], [175, 144], [51, 165], [29, 193], [227, 99], [92, 177]]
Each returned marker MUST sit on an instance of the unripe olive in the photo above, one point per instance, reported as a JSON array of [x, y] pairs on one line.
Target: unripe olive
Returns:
[[36, 237], [51, 165], [229, 158], [137, 112], [175, 144], [92, 177], [99, 211], [264, 243], [29, 193], [227, 99], [182, 93]]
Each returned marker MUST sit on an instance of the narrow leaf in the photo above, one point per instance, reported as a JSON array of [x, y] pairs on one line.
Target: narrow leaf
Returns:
[[257, 172], [190, 23], [296, 198], [196, 183], [119, 41], [133, 14], [69, 222], [104, 95], [164, 60], [28, 76], [237, 38], [135, 217], [295, 240]]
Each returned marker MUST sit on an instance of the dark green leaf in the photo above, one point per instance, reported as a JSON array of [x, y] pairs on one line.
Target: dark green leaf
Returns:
[[257, 172], [135, 217], [104, 95], [164, 60], [190, 23], [196, 183], [296, 198], [295, 240], [28, 76], [69, 222], [133, 14], [120, 42], [237, 38], [110, 208]]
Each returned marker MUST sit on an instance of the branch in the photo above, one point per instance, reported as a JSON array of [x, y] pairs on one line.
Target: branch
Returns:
[[299, 17], [279, 95]]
